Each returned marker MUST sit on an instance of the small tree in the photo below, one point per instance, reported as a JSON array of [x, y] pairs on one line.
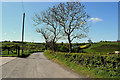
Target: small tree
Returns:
[[90, 41], [73, 18], [45, 34], [53, 27]]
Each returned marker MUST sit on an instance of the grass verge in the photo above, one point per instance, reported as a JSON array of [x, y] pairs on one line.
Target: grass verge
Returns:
[[78, 68]]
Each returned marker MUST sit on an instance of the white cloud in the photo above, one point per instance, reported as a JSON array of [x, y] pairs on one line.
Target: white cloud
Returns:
[[14, 32], [94, 20], [5, 33]]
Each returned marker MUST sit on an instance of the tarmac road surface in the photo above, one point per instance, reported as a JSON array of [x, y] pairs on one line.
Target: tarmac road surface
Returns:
[[35, 66], [5, 60]]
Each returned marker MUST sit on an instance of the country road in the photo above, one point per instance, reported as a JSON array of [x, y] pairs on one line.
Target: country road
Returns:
[[35, 66]]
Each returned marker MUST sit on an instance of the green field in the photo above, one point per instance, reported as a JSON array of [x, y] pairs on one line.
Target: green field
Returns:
[[103, 48], [28, 48]]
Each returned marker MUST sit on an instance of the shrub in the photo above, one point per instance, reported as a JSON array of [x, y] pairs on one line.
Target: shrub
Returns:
[[104, 63], [63, 48]]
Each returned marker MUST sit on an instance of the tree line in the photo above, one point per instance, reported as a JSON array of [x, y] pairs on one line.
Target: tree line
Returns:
[[67, 20]]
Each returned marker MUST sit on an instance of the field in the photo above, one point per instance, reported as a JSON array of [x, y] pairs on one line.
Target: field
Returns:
[[28, 48], [100, 48], [103, 48]]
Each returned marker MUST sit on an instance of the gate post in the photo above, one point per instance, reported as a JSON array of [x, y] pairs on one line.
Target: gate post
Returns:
[[16, 48], [8, 50], [18, 51]]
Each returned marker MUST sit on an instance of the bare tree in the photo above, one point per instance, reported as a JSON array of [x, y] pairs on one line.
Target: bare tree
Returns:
[[53, 27], [45, 34], [73, 19]]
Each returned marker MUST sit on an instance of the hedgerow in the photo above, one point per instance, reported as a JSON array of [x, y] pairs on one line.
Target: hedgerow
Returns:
[[108, 65]]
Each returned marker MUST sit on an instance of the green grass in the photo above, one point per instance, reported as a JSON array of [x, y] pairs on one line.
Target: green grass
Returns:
[[102, 48], [71, 61], [26, 53], [29, 48], [70, 65], [5, 54]]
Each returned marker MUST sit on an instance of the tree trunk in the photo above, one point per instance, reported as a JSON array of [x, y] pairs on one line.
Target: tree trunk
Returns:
[[46, 45], [70, 45], [53, 46]]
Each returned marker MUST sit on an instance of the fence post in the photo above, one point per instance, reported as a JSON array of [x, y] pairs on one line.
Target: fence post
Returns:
[[16, 48], [18, 51], [8, 50]]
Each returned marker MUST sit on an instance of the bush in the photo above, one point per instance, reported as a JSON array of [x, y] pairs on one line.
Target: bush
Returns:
[[63, 48], [108, 64]]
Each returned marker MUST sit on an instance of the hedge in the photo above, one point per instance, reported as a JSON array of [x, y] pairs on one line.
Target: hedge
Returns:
[[103, 64]]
